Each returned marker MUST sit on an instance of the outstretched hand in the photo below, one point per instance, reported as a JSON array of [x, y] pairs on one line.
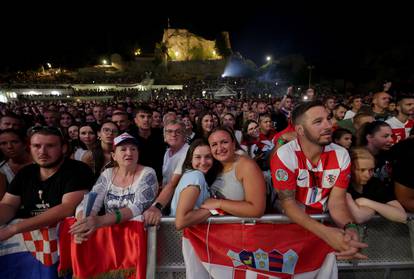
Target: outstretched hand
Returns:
[[83, 228]]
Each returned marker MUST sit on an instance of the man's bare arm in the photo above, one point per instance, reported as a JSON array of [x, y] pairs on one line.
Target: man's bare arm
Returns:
[[338, 208], [168, 190], [8, 207], [297, 215], [332, 236], [52, 215]]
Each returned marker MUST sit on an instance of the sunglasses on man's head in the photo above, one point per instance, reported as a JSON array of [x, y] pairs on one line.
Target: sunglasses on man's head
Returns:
[[46, 129]]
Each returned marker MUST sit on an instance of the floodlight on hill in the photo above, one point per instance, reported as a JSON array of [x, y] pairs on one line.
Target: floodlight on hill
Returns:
[[137, 52]]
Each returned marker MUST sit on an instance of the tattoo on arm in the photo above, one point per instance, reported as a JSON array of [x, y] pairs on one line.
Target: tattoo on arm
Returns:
[[286, 194]]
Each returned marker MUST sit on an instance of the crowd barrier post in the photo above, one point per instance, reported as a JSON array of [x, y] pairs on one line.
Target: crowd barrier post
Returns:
[[151, 252]]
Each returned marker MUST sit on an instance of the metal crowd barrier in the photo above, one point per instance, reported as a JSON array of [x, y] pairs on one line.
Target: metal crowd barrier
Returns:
[[390, 249]]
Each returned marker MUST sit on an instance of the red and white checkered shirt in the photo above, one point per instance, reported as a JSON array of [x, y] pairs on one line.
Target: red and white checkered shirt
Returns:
[[400, 131], [291, 170]]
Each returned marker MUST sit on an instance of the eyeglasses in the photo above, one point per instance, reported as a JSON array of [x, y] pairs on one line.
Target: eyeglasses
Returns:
[[46, 130], [109, 130], [171, 132]]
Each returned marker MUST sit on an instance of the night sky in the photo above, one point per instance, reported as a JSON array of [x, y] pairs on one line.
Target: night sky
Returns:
[[337, 37]]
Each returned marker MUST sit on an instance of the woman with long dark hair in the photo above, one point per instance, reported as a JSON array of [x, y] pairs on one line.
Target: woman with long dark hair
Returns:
[[205, 124], [199, 170], [250, 138], [100, 158], [239, 189]]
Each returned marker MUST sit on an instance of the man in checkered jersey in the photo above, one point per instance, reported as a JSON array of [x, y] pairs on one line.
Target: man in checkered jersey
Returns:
[[311, 175], [401, 125]]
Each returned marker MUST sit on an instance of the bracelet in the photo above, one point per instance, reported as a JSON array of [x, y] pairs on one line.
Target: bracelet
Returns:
[[351, 225], [118, 216], [280, 141]]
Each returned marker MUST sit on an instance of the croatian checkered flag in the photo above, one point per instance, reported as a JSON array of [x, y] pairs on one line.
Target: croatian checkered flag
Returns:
[[31, 254], [260, 251], [43, 245]]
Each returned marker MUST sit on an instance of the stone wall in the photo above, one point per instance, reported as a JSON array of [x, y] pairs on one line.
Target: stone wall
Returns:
[[183, 45], [196, 69]]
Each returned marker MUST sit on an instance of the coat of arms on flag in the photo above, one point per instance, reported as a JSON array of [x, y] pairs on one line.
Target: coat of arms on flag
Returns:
[[259, 251], [272, 261]]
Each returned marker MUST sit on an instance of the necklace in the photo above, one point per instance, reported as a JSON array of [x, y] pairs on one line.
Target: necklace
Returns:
[[132, 182], [40, 192]]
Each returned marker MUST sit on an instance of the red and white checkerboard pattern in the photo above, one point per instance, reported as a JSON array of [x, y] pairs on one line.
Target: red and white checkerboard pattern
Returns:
[[400, 131], [291, 170], [43, 245]]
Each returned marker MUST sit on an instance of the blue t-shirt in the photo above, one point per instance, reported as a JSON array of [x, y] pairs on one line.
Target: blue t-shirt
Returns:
[[192, 177]]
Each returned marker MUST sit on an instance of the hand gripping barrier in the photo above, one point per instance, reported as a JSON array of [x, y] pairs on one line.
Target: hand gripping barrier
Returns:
[[390, 248]]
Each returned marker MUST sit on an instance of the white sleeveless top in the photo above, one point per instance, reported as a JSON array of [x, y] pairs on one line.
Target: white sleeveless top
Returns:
[[7, 171], [227, 185]]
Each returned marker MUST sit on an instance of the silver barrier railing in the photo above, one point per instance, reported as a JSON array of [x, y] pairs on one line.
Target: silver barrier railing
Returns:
[[389, 248]]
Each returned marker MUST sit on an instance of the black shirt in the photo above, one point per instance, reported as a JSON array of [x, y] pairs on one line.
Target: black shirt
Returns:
[[279, 121], [374, 190], [403, 159], [37, 196], [151, 150]]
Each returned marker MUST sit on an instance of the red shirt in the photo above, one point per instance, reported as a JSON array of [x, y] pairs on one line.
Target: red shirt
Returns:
[[400, 131], [291, 170], [265, 141]]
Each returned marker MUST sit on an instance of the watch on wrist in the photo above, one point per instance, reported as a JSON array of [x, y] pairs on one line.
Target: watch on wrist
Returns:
[[158, 205]]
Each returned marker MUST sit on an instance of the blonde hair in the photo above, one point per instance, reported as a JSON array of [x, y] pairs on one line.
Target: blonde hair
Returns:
[[361, 153]]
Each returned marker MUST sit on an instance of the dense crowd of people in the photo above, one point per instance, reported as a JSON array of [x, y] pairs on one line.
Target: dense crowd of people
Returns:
[[192, 158]]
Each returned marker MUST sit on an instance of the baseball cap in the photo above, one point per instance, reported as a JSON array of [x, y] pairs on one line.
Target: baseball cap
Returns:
[[125, 138]]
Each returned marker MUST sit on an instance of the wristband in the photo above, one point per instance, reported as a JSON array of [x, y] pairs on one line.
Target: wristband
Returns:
[[351, 225], [118, 216], [280, 141]]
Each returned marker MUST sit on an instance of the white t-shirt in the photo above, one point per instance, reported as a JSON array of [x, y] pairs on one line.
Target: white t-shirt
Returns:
[[79, 154], [173, 164], [7, 171], [195, 178], [238, 134], [349, 114]]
